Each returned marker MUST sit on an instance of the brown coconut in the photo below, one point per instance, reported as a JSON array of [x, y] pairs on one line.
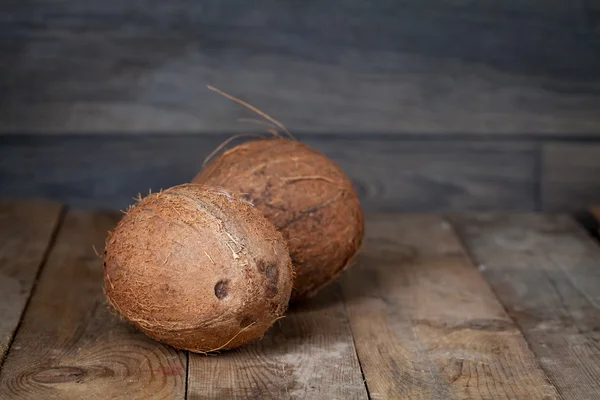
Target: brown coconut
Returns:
[[305, 195], [198, 269]]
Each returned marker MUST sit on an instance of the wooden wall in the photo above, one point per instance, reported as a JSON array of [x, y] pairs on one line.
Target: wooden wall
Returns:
[[429, 104], [390, 173]]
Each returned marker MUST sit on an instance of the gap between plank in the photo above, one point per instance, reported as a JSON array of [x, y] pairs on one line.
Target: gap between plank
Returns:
[[53, 236], [187, 374], [475, 263], [362, 372]]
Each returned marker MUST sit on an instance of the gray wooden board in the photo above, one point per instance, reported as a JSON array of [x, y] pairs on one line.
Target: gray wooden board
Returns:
[[570, 176], [338, 66], [109, 170], [26, 233], [425, 323], [69, 346], [546, 271], [309, 354]]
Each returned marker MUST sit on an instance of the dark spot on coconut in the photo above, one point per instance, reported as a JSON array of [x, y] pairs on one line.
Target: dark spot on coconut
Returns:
[[262, 265], [221, 289], [246, 321], [266, 193], [272, 274]]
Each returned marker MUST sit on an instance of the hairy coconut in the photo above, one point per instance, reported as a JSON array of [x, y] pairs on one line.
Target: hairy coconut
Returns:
[[197, 268], [307, 197]]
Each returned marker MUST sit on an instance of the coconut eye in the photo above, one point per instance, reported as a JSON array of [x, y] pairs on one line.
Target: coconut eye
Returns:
[[222, 289]]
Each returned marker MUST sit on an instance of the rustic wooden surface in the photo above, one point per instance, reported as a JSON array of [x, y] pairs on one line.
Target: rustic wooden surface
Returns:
[[440, 66], [70, 347], [308, 355], [413, 318], [389, 175], [546, 271], [571, 176], [26, 234], [425, 323]]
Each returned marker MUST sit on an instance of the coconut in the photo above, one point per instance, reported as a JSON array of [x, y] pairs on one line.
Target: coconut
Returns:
[[197, 268], [308, 198]]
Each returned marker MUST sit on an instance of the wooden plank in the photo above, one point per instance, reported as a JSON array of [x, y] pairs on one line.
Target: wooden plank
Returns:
[[26, 230], [70, 347], [546, 271], [108, 171], [337, 66], [425, 323], [308, 355], [570, 176]]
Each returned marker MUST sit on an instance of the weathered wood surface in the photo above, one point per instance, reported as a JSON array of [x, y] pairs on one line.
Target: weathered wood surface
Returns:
[[571, 176], [309, 354], [413, 309], [390, 175], [70, 347], [546, 271], [425, 323], [440, 66], [26, 232]]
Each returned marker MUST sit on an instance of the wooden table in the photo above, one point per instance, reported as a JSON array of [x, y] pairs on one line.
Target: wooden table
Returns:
[[472, 306]]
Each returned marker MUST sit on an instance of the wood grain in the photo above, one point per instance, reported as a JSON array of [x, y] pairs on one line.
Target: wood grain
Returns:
[[70, 347], [26, 230], [309, 354], [389, 174], [338, 66], [425, 323], [546, 271], [570, 176]]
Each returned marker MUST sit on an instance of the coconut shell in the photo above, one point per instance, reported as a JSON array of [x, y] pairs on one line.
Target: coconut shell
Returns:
[[198, 269], [305, 195]]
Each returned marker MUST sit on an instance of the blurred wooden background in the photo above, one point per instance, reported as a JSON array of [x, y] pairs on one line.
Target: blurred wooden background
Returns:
[[428, 105]]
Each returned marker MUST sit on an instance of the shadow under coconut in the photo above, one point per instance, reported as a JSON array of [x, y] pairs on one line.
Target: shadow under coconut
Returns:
[[295, 355], [313, 325], [369, 275], [325, 298], [322, 320]]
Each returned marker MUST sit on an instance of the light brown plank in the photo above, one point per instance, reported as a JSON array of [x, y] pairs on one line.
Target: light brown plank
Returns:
[[307, 355], [570, 174], [546, 271], [70, 346], [26, 230], [425, 323]]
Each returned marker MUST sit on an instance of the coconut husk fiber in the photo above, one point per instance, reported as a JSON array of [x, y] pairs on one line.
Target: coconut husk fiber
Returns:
[[197, 268], [308, 198]]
